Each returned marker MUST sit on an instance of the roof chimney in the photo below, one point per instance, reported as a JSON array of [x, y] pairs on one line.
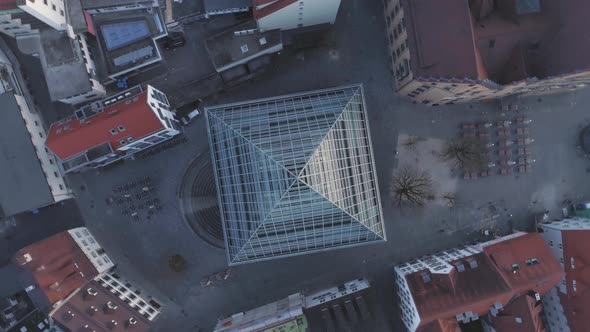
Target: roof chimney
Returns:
[[24, 259], [110, 307], [89, 293], [130, 323]]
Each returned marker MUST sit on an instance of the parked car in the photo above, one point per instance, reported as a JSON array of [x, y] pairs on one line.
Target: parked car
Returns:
[[189, 117], [174, 40]]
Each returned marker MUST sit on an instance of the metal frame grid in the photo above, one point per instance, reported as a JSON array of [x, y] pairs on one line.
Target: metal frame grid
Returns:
[[295, 174]]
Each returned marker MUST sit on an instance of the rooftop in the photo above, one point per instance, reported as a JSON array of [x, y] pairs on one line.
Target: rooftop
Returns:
[[100, 310], [8, 4], [24, 186], [126, 38], [107, 125], [503, 40], [58, 266], [62, 62], [291, 147], [521, 315], [492, 275], [445, 295], [526, 263], [229, 48]]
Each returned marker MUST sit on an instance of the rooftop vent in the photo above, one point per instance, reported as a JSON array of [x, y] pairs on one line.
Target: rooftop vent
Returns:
[[110, 307], [262, 41], [90, 292], [518, 320], [26, 258], [130, 322], [537, 296], [515, 268], [244, 48]]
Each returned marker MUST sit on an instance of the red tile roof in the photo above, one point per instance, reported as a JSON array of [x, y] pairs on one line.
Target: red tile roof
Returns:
[[528, 312], [538, 277], [491, 281], [441, 325], [99, 317], [269, 9], [74, 137], [58, 266], [577, 304], [7, 4], [476, 290], [430, 23]]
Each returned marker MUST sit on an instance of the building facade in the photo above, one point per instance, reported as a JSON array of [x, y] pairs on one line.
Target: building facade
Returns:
[[32, 177], [294, 151], [498, 49], [297, 311], [483, 280], [292, 14], [112, 129], [567, 304], [51, 12]]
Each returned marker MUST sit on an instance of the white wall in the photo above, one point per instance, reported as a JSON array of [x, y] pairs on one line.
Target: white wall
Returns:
[[554, 240], [127, 291], [90, 247], [301, 13], [409, 312], [553, 312], [51, 12]]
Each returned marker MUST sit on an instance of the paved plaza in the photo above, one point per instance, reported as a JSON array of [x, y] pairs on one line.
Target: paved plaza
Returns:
[[356, 54]]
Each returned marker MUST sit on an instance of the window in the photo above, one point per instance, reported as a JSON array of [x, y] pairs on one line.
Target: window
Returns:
[[53, 7], [532, 261], [84, 243], [78, 234], [113, 132], [41, 134], [61, 187], [61, 12], [45, 2], [93, 254], [123, 142], [50, 161], [121, 128], [55, 174], [130, 139], [36, 123], [551, 243]]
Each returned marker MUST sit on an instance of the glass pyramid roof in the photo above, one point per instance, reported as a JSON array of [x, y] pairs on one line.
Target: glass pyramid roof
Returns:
[[295, 174]]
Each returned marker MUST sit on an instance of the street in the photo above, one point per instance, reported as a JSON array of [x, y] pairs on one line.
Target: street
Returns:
[[356, 54]]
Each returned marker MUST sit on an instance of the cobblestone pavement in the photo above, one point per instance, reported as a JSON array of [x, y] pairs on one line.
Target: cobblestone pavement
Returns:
[[356, 53]]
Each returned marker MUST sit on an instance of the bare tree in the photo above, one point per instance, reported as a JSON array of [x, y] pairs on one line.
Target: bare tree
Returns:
[[410, 186], [411, 143], [468, 154], [450, 198]]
